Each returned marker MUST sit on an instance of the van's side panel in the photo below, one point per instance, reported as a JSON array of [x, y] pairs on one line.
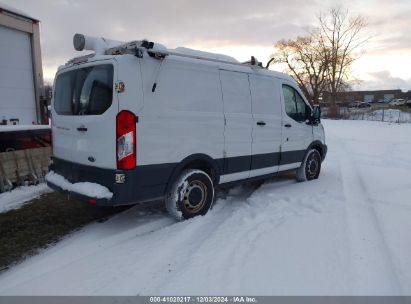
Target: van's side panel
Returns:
[[184, 114], [266, 125], [238, 125]]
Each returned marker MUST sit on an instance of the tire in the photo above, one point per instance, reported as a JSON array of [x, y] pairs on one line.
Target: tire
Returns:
[[310, 167], [192, 194]]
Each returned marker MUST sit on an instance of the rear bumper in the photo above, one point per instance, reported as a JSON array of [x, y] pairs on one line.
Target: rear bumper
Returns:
[[144, 183], [91, 200]]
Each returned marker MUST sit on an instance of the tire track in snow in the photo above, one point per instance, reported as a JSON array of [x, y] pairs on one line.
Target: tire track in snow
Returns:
[[168, 254], [203, 246], [372, 267], [255, 220]]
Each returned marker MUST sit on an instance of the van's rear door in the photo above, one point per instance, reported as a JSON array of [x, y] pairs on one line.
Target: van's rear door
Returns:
[[84, 112]]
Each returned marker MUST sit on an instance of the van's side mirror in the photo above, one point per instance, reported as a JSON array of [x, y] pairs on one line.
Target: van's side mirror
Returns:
[[316, 114]]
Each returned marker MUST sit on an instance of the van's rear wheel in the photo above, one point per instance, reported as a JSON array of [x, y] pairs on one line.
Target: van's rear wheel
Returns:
[[311, 166], [191, 194]]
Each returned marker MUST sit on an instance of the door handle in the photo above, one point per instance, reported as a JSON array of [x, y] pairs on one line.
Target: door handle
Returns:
[[82, 129], [287, 125], [261, 123]]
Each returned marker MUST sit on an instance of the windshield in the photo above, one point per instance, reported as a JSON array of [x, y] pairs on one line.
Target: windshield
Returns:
[[85, 91]]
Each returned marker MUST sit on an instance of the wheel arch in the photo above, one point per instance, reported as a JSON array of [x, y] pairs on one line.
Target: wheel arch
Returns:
[[196, 161], [318, 145]]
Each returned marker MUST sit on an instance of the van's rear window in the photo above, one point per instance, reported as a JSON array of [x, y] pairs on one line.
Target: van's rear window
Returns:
[[84, 91]]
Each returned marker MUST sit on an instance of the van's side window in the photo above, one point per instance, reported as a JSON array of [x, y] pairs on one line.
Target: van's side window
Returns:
[[295, 107]]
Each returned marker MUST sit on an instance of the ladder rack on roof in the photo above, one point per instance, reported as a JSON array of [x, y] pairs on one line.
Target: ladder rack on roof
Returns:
[[210, 59], [156, 50], [159, 51]]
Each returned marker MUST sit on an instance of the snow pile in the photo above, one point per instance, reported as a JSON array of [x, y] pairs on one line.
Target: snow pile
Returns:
[[19, 196], [84, 188]]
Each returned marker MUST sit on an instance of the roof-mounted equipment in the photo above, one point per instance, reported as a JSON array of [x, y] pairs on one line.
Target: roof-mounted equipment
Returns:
[[103, 46], [97, 44]]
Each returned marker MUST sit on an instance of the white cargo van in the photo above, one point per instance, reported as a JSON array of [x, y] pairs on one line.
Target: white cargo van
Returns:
[[137, 122]]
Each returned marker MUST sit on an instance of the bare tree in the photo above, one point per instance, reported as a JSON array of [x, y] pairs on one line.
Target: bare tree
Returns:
[[321, 61], [342, 36], [307, 61]]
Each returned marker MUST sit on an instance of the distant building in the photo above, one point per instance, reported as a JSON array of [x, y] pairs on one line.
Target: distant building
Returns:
[[21, 74], [366, 96]]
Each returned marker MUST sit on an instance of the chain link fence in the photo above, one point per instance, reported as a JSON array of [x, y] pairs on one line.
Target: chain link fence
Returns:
[[372, 114]]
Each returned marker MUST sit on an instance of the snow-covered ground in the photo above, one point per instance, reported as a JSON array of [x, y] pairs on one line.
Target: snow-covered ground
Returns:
[[347, 233], [19, 196]]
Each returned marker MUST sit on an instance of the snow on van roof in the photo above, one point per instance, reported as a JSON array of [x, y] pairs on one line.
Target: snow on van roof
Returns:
[[15, 11]]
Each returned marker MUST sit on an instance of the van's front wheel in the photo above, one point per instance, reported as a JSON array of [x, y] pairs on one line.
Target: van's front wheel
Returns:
[[191, 194], [311, 166]]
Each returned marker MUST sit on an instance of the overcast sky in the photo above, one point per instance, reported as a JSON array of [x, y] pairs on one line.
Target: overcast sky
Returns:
[[237, 28]]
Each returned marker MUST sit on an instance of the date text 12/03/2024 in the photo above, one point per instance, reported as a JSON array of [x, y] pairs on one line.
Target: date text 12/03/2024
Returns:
[[199, 299]]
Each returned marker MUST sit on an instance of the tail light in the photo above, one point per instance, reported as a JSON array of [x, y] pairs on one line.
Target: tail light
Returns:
[[126, 140]]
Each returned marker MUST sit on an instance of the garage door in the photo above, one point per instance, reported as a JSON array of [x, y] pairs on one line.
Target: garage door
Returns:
[[17, 98]]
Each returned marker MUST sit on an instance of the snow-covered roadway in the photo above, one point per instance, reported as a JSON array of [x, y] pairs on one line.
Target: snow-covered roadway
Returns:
[[347, 233]]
